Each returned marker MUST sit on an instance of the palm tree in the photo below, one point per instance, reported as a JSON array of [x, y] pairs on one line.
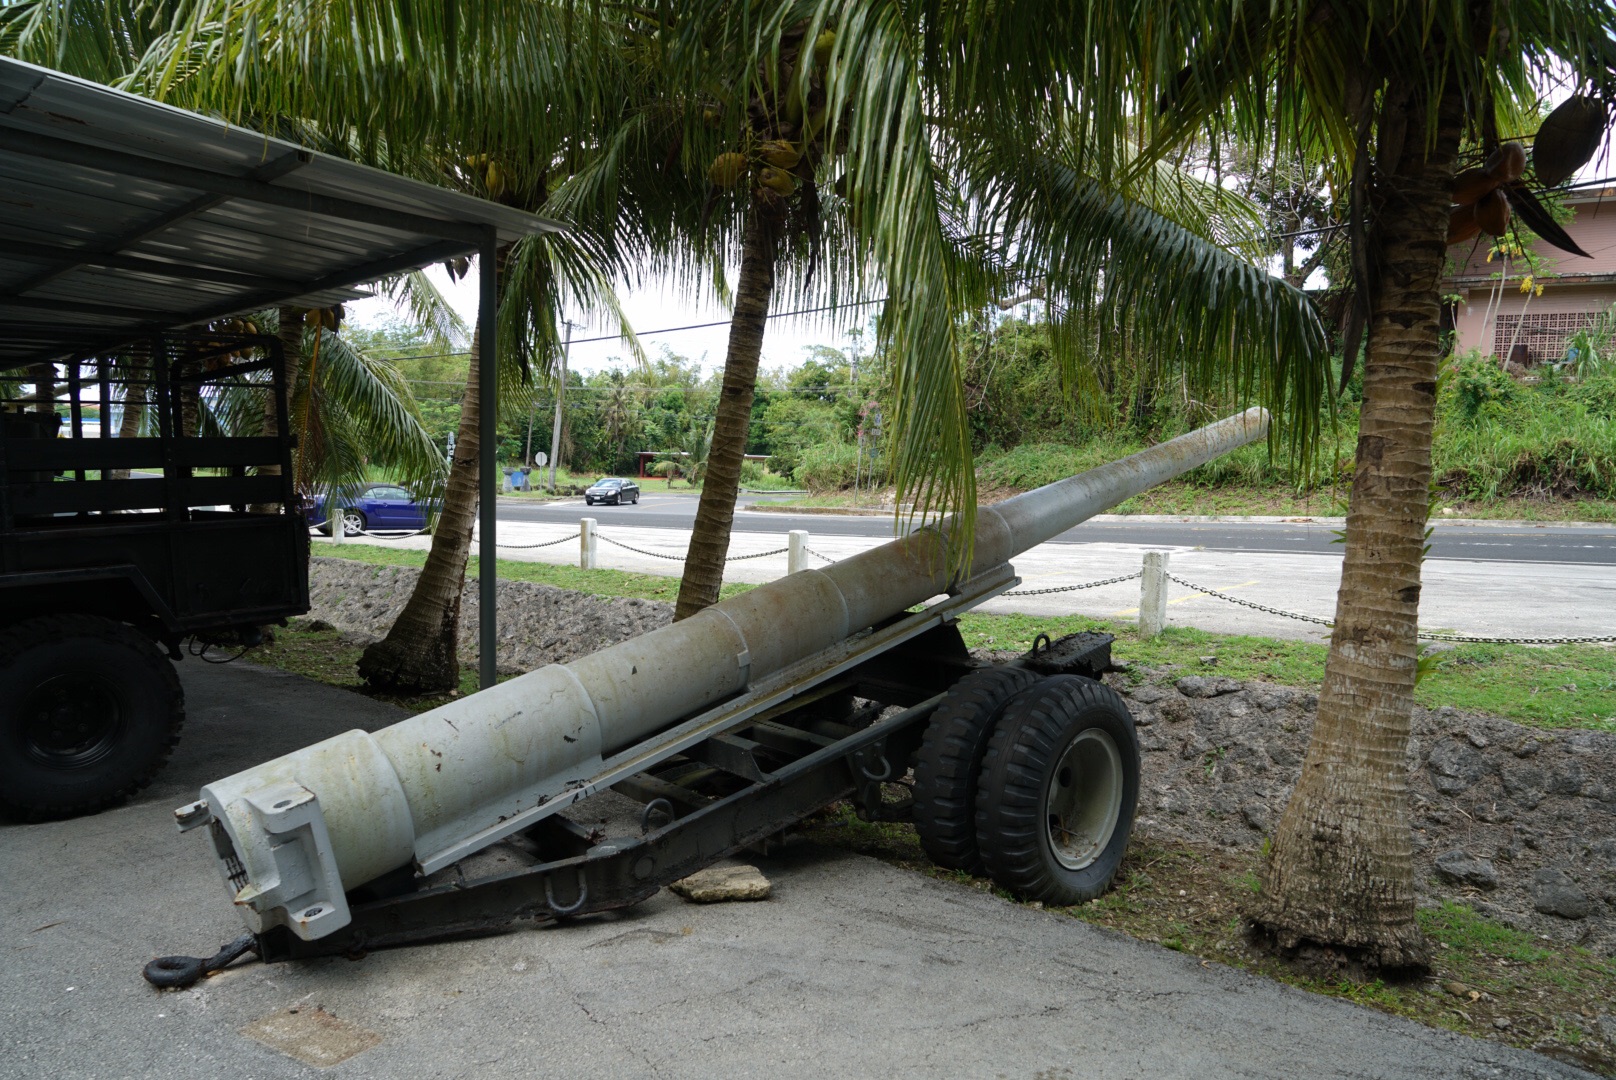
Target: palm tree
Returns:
[[1393, 90], [1386, 93], [692, 453], [619, 412], [814, 144], [804, 140]]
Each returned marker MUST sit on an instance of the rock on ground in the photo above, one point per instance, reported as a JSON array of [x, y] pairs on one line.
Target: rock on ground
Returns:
[[719, 883], [538, 624]]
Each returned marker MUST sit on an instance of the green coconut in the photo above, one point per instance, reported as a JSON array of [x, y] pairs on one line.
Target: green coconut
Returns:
[[823, 44], [780, 153], [777, 179], [727, 170]]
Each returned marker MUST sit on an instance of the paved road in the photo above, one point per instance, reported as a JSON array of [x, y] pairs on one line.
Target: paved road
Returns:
[[854, 969], [1490, 542]]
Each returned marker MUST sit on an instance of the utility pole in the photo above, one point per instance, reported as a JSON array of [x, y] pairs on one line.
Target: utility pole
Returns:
[[561, 392], [858, 460], [532, 407]]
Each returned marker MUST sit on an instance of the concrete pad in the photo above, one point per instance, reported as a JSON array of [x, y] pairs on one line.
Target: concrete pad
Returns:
[[854, 969]]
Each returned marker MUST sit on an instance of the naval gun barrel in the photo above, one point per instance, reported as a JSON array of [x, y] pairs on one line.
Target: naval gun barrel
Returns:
[[294, 834]]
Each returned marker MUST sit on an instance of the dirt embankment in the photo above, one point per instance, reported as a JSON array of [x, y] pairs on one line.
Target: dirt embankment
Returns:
[[538, 624]]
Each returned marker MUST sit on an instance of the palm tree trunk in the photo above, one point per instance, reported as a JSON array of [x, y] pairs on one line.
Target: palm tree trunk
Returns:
[[421, 650], [289, 330], [715, 513], [44, 380], [134, 408], [1340, 871]]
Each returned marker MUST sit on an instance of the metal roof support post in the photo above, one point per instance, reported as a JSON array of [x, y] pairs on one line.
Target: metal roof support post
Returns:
[[488, 404]]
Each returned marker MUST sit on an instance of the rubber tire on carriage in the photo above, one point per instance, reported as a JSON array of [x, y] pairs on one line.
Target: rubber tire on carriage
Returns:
[[950, 760], [1058, 792], [90, 710]]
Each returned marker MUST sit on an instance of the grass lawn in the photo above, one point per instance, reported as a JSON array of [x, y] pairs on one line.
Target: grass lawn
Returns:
[[1551, 686], [1178, 498]]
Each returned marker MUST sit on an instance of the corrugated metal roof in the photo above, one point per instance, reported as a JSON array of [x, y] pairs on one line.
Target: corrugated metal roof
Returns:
[[120, 215]]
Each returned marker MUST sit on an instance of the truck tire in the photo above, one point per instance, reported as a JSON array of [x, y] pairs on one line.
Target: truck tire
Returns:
[[950, 760], [89, 712], [1059, 788]]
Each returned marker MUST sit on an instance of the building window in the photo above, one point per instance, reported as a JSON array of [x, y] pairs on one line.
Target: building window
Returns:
[[1544, 336]]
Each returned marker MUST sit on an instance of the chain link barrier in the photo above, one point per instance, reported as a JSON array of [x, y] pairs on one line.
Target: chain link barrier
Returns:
[[390, 535], [639, 551], [1466, 639], [534, 547], [681, 558], [817, 555], [366, 532], [1469, 640], [1248, 603], [1075, 588], [759, 555]]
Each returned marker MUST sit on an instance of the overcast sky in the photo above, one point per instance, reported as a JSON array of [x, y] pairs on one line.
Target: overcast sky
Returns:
[[650, 310]]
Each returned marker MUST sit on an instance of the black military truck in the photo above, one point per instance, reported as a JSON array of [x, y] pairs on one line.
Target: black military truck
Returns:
[[133, 530], [122, 219]]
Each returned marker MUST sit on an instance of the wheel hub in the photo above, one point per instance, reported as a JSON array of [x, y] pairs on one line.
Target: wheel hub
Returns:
[[71, 720], [1084, 799]]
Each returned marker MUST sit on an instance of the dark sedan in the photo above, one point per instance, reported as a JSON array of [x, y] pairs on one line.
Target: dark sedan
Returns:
[[612, 490], [378, 507]]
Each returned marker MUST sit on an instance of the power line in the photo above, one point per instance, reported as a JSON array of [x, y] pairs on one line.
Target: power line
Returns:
[[581, 387], [663, 330]]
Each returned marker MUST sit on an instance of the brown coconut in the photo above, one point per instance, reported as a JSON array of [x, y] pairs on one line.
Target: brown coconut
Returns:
[[1568, 139], [1492, 213]]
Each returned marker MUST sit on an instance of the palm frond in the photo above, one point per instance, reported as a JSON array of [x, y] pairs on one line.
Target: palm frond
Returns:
[[362, 412]]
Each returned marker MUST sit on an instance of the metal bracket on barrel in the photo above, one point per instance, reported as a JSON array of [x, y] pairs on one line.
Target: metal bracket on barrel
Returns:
[[305, 881]]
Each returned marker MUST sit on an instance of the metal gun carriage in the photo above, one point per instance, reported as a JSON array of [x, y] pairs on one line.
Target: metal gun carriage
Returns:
[[727, 727]]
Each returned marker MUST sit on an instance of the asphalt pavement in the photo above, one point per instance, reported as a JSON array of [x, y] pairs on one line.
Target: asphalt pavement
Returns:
[[1489, 541], [853, 969]]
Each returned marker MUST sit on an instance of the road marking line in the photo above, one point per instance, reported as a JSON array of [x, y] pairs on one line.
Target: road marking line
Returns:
[[1191, 596]]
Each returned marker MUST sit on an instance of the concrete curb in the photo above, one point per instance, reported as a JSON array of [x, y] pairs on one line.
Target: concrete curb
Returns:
[[1211, 519], [836, 511]]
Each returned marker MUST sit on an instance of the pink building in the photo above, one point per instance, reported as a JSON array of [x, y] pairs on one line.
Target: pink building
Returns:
[[1575, 290]]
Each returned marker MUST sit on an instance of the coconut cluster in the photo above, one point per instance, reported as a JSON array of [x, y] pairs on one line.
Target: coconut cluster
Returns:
[[784, 122], [1567, 140]]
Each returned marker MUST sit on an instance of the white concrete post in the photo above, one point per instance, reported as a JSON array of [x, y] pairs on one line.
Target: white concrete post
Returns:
[[333, 514], [796, 550], [1153, 594], [586, 543]]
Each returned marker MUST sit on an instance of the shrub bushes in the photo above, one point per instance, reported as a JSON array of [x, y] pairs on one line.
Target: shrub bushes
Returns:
[[1552, 439], [828, 467]]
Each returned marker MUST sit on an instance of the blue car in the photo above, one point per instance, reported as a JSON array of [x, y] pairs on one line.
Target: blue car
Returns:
[[375, 508]]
